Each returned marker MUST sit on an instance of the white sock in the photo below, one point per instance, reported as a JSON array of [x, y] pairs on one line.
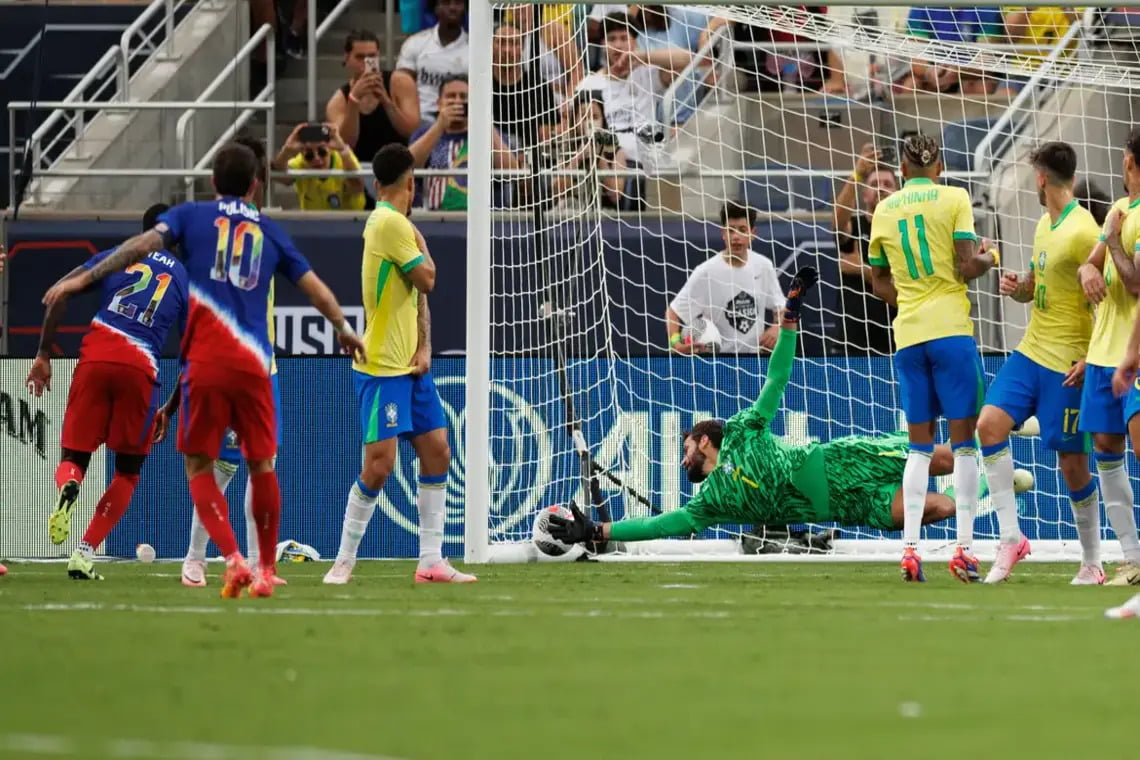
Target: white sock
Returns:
[[999, 474], [1086, 514], [199, 538], [357, 513], [250, 525], [965, 491], [431, 502], [86, 549], [916, 478], [1117, 494]]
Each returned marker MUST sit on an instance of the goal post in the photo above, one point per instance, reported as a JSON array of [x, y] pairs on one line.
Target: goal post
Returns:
[[586, 218]]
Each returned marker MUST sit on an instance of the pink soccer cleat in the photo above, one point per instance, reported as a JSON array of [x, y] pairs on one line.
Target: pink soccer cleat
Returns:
[[194, 573], [443, 572], [1008, 555], [237, 578], [911, 567], [262, 586], [339, 574], [1088, 575], [964, 566], [3, 571], [1126, 611]]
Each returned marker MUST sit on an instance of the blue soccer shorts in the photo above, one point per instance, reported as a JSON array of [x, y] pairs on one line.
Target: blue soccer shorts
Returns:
[[1024, 388], [401, 405], [231, 446], [1101, 410], [941, 378]]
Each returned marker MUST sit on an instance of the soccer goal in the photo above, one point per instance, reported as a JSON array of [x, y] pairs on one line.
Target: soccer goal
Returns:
[[593, 197]]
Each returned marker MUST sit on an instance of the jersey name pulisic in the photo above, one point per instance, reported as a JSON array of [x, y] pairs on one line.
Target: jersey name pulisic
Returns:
[[140, 305], [1113, 323], [913, 232], [231, 252], [390, 299], [1060, 323]]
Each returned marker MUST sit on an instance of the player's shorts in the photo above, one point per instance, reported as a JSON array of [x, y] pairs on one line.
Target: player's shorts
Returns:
[[1024, 388], [1101, 410], [110, 403], [216, 398], [402, 405], [863, 476], [941, 378], [231, 447]]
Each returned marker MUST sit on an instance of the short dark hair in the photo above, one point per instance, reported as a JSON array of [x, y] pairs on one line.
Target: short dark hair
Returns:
[[714, 429], [151, 215], [391, 162], [235, 168], [1094, 199], [619, 22], [257, 145], [1057, 159], [452, 78], [734, 210], [359, 35], [921, 151]]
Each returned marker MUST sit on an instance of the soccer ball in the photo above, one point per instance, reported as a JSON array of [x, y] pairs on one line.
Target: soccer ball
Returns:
[[702, 332], [545, 542], [145, 553]]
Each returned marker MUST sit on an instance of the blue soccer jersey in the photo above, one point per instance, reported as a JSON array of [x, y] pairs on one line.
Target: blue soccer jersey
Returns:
[[140, 305], [231, 252]]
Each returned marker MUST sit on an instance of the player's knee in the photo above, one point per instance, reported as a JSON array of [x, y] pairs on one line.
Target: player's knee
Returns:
[[259, 466], [1075, 471], [78, 458], [129, 464], [197, 464], [377, 468], [992, 430]]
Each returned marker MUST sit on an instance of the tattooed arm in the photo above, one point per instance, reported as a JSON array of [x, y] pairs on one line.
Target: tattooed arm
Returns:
[[132, 251], [421, 361]]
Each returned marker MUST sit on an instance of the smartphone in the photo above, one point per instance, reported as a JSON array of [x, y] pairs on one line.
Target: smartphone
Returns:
[[313, 133], [372, 64], [888, 157]]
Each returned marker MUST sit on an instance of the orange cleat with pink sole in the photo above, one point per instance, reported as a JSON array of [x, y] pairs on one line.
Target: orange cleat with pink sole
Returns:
[[443, 572], [911, 567]]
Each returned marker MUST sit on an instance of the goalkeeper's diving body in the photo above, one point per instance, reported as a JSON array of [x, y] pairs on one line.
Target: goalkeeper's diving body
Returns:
[[753, 476]]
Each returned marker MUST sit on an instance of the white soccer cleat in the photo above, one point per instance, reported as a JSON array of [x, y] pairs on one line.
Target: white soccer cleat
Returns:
[[1129, 609], [1008, 555], [443, 572], [1088, 575], [1029, 429], [1022, 481], [339, 574], [194, 573]]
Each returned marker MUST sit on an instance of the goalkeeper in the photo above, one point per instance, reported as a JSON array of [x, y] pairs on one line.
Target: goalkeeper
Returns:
[[755, 477]]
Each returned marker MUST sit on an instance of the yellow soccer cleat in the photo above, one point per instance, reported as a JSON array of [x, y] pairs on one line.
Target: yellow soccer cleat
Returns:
[[1127, 574], [79, 568], [59, 524]]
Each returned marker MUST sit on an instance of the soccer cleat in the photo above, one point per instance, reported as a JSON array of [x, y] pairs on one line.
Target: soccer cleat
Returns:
[[3, 571], [964, 566], [339, 574], [79, 568], [194, 573], [1088, 575], [911, 567], [443, 572], [1127, 574], [1008, 555], [262, 586], [1129, 609], [59, 524], [238, 576]]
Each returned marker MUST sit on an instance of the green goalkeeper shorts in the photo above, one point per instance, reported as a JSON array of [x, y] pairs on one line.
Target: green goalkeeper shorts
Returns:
[[863, 476]]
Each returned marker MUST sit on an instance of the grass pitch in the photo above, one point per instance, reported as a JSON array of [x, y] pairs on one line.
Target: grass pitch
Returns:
[[615, 661]]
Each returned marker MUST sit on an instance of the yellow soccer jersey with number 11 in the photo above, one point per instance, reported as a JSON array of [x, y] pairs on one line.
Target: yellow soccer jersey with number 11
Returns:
[[913, 232], [1061, 321], [1114, 315]]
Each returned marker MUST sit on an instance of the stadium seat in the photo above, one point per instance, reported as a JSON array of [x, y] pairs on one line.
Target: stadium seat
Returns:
[[961, 138], [782, 193]]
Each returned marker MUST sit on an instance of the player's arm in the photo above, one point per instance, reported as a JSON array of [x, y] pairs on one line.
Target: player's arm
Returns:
[[322, 298], [420, 269], [1017, 286], [974, 258], [130, 252], [882, 281], [1127, 262], [580, 529], [167, 412], [39, 377], [1125, 374], [421, 361]]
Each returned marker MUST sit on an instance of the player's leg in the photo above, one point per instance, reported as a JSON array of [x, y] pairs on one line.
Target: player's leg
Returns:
[[85, 427], [253, 552], [255, 423], [226, 466], [936, 508], [920, 404], [110, 509]]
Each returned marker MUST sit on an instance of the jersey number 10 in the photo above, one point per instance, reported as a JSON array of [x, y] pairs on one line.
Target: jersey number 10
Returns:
[[232, 252], [923, 248]]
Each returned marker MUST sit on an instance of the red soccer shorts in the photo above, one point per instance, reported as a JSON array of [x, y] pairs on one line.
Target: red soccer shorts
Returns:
[[112, 404], [217, 398]]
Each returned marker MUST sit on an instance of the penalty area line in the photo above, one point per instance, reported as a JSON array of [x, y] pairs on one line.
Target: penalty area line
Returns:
[[51, 745]]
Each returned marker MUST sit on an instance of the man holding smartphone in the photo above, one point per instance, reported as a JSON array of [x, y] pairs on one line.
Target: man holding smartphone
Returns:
[[320, 146]]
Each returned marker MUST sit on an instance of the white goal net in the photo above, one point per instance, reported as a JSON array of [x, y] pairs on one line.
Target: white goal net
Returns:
[[615, 143]]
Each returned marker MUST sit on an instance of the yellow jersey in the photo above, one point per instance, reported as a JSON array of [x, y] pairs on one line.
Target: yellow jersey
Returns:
[[1045, 25], [1114, 315], [390, 299], [326, 193], [1060, 323], [913, 232]]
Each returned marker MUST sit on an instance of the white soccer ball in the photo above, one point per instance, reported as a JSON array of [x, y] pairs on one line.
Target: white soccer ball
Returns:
[[703, 332], [145, 553], [545, 542]]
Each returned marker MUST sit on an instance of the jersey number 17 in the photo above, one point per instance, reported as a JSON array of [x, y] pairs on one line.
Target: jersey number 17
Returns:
[[238, 248]]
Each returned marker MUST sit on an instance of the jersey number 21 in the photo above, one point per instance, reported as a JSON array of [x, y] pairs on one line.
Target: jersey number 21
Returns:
[[238, 248]]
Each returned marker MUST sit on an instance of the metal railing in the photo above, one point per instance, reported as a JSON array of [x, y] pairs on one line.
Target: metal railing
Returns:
[[316, 33], [693, 76]]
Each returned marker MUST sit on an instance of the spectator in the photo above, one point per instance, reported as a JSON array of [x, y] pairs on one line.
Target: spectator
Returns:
[[632, 81], [525, 109], [295, 21], [373, 108], [866, 319], [549, 49], [443, 145], [1043, 26], [587, 139], [302, 151], [435, 54], [737, 291], [666, 26], [972, 25], [1094, 199]]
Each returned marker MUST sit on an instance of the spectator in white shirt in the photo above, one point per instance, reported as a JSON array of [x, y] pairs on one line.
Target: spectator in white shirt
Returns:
[[436, 54], [733, 291]]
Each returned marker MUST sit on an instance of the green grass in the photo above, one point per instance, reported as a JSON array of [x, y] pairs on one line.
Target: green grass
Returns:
[[614, 661]]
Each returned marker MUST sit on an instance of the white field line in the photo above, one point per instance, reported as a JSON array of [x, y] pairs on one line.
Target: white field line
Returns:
[[49, 745]]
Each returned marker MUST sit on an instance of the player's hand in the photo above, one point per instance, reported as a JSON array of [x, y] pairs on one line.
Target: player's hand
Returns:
[[1075, 377], [162, 422], [39, 377], [577, 530], [1112, 225], [1092, 282], [1125, 374], [352, 345], [421, 362], [62, 290], [802, 284], [1009, 284]]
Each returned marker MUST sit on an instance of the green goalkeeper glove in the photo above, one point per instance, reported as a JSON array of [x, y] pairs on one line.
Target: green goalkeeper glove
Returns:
[[576, 530], [802, 283]]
